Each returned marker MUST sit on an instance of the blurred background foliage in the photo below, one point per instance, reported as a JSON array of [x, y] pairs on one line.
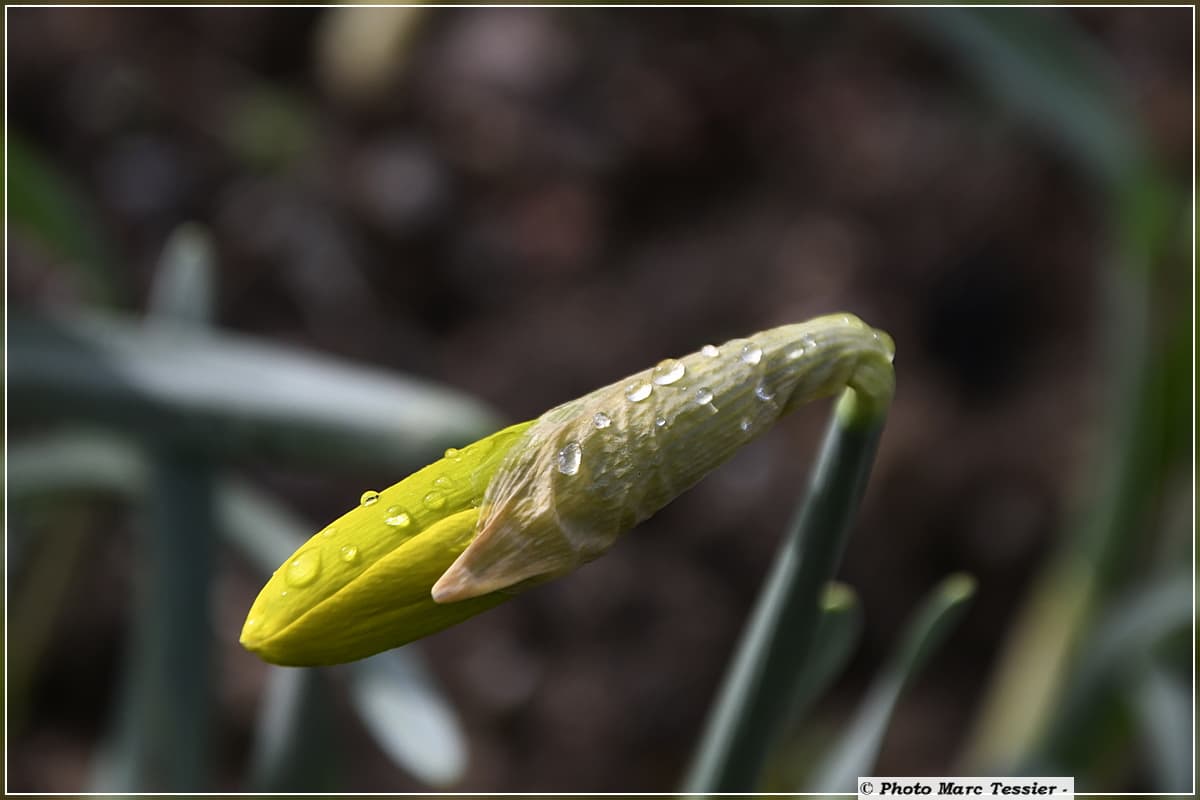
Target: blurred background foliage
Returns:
[[262, 259]]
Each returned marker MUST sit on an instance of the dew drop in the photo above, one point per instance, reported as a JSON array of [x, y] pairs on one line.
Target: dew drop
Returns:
[[704, 395], [302, 570], [796, 353], [660, 421], [369, 498], [763, 393], [708, 351], [745, 424], [283, 593], [250, 622], [452, 452], [809, 342], [601, 420], [349, 553], [434, 501], [751, 354], [569, 458], [638, 391], [330, 531], [444, 482], [668, 371], [397, 517]]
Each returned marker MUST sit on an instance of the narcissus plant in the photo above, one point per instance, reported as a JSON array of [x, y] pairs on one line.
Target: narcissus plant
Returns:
[[538, 499]]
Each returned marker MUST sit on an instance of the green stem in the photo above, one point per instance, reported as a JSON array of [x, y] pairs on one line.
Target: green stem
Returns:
[[163, 723], [858, 748], [752, 705], [162, 729], [834, 640]]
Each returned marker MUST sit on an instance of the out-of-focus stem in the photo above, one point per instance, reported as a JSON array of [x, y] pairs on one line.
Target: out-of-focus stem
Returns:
[[1021, 700], [858, 748]]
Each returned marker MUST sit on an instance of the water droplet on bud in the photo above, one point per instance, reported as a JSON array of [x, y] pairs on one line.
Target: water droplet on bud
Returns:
[[569, 458], [397, 517], [302, 570], [638, 391], [668, 371]]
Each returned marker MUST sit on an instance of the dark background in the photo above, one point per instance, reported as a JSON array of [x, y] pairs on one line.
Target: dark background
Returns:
[[527, 204]]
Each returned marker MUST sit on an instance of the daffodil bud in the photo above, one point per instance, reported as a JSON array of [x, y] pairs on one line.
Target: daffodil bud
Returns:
[[538, 499]]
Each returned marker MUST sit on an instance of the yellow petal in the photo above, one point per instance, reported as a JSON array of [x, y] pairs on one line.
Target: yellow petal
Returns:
[[385, 606], [362, 584]]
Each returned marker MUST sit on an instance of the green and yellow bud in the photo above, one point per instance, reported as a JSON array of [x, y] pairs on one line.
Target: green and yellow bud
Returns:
[[539, 499]]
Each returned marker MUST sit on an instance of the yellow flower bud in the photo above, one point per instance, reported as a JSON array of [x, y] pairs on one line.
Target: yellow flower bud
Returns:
[[537, 500]]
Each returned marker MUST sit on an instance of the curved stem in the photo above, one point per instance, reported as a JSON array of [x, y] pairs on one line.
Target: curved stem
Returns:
[[753, 701]]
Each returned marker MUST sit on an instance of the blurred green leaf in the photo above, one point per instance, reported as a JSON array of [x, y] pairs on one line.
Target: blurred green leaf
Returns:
[[294, 746], [1057, 78], [229, 395], [78, 461], [1134, 630], [1040, 63], [410, 721], [1136, 624], [431, 744], [161, 737], [1162, 705], [856, 751], [182, 292], [44, 204]]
